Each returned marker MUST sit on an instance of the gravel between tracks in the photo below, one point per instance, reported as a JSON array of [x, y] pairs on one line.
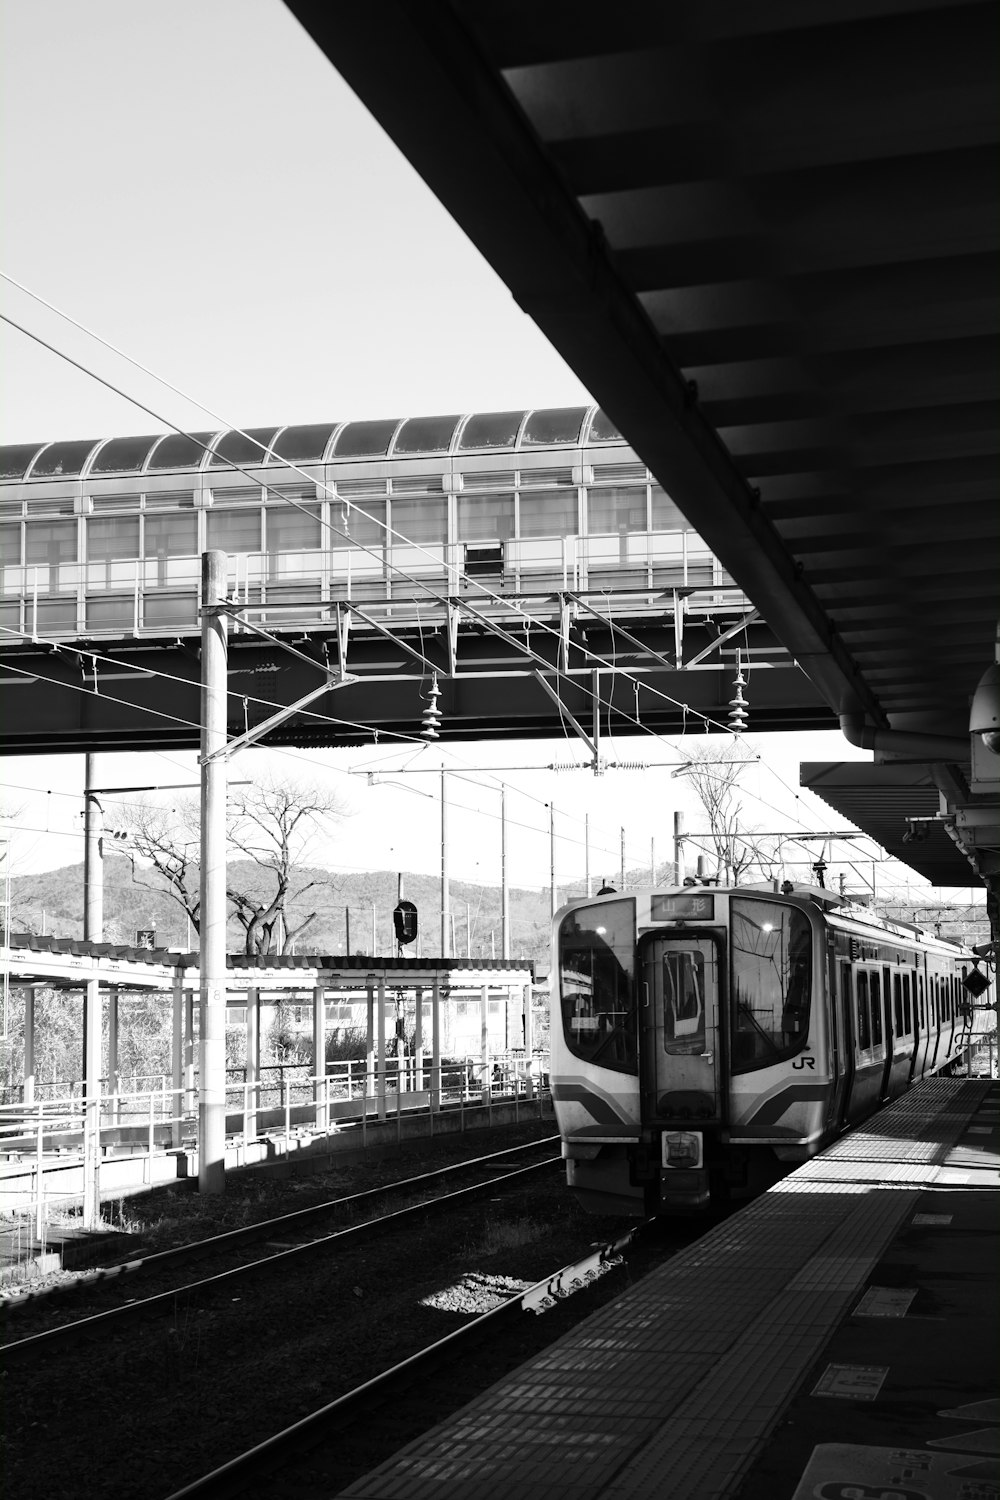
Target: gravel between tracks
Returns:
[[141, 1414]]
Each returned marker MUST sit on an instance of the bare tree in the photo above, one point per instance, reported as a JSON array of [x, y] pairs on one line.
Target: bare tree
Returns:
[[170, 841], [714, 773], [274, 825]]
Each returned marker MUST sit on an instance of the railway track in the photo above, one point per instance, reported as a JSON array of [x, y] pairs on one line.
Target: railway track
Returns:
[[280, 1459], [289, 1237]]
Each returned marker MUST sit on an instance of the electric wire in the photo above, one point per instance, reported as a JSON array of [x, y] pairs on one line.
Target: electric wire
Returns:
[[504, 602]]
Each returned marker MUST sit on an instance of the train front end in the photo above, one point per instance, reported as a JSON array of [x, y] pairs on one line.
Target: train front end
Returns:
[[654, 994]]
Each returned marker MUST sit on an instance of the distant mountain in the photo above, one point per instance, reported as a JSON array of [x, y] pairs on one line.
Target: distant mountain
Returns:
[[52, 902]]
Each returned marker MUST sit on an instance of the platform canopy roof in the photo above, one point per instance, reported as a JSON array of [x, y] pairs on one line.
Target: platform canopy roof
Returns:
[[764, 236]]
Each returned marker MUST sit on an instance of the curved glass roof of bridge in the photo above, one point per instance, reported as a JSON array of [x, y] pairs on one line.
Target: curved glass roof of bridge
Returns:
[[317, 442]]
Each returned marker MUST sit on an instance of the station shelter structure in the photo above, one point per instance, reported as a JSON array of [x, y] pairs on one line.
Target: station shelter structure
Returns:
[[418, 1054]]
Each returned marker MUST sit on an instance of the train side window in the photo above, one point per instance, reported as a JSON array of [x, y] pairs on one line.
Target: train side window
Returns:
[[771, 953], [864, 1013], [597, 984], [897, 1005], [921, 1005], [907, 1006], [876, 1009]]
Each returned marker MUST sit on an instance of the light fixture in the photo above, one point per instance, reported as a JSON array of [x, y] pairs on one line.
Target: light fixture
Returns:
[[984, 716]]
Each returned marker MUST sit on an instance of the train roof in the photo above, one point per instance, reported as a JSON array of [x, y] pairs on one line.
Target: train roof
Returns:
[[314, 442]]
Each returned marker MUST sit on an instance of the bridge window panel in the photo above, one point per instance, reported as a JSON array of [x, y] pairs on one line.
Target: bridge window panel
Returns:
[[109, 539], [491, 429], [485, 518], [10, 615], [666, 516], [772, 981], [426, 435], [864, 1013], [424, 522], [54, 617], [597, 984], [603, 430], [304, 445], [52, 505], [180, 450], [173, 611], [554, 513], [63, 458], [110, 612], [170, 536], [242, 448], [365, 439], [10, 545], [234, 531], [123, 455], [292, 530], [554, 424], [49, 543], [170, 500], [363, 523], [15, 459], [616, 509], [102, 503]]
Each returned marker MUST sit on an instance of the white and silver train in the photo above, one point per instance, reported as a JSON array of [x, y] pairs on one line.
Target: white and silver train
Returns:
[[703, 1036]]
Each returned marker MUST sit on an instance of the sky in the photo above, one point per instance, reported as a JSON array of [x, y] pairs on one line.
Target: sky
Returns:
[[193, 182]]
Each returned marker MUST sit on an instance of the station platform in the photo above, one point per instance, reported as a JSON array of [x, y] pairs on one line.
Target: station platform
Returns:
[[837, 1338]]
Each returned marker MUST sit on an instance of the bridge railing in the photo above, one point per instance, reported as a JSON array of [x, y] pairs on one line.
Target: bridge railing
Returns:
[[150, 597]]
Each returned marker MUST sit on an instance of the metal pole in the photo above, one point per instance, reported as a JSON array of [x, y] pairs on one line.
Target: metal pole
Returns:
[[586, 852], [621, 880], [552, 860], [93, 859], [678, 848], [374, 930], [652, 861], [445, 948], [504, 892], [212, 944]]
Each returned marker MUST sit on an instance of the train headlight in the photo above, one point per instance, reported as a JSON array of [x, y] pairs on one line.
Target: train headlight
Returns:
[[682, 1148]]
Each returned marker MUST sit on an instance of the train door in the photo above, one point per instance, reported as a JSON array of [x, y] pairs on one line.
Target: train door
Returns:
[[680, 1029], [842, 1034]]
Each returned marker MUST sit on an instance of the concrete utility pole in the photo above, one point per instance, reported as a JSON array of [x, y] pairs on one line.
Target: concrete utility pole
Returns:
[[93, 857], [445, 903], [553, 901], [212, 946], [504, 892], [678, 848]]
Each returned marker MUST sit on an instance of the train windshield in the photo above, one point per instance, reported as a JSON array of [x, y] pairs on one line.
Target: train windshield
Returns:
[[597, 984], [772, 981]]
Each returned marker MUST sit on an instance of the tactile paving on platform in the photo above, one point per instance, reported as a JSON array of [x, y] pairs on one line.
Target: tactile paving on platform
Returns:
[[681, 1380]]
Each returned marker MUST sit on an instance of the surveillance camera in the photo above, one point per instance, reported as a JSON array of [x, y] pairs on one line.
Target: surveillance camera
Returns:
[[984, 717]]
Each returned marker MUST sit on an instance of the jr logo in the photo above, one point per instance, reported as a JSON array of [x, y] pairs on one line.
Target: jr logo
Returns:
[[804, 1062]]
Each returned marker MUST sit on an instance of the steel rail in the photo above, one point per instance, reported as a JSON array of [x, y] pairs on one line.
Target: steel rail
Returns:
[[233, 1478], [97, 1323], [179, 1255]]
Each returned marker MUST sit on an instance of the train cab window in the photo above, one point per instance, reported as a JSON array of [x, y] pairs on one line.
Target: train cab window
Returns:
[[597, 984], [876, 1010], [771, 981], [864, 1013]]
